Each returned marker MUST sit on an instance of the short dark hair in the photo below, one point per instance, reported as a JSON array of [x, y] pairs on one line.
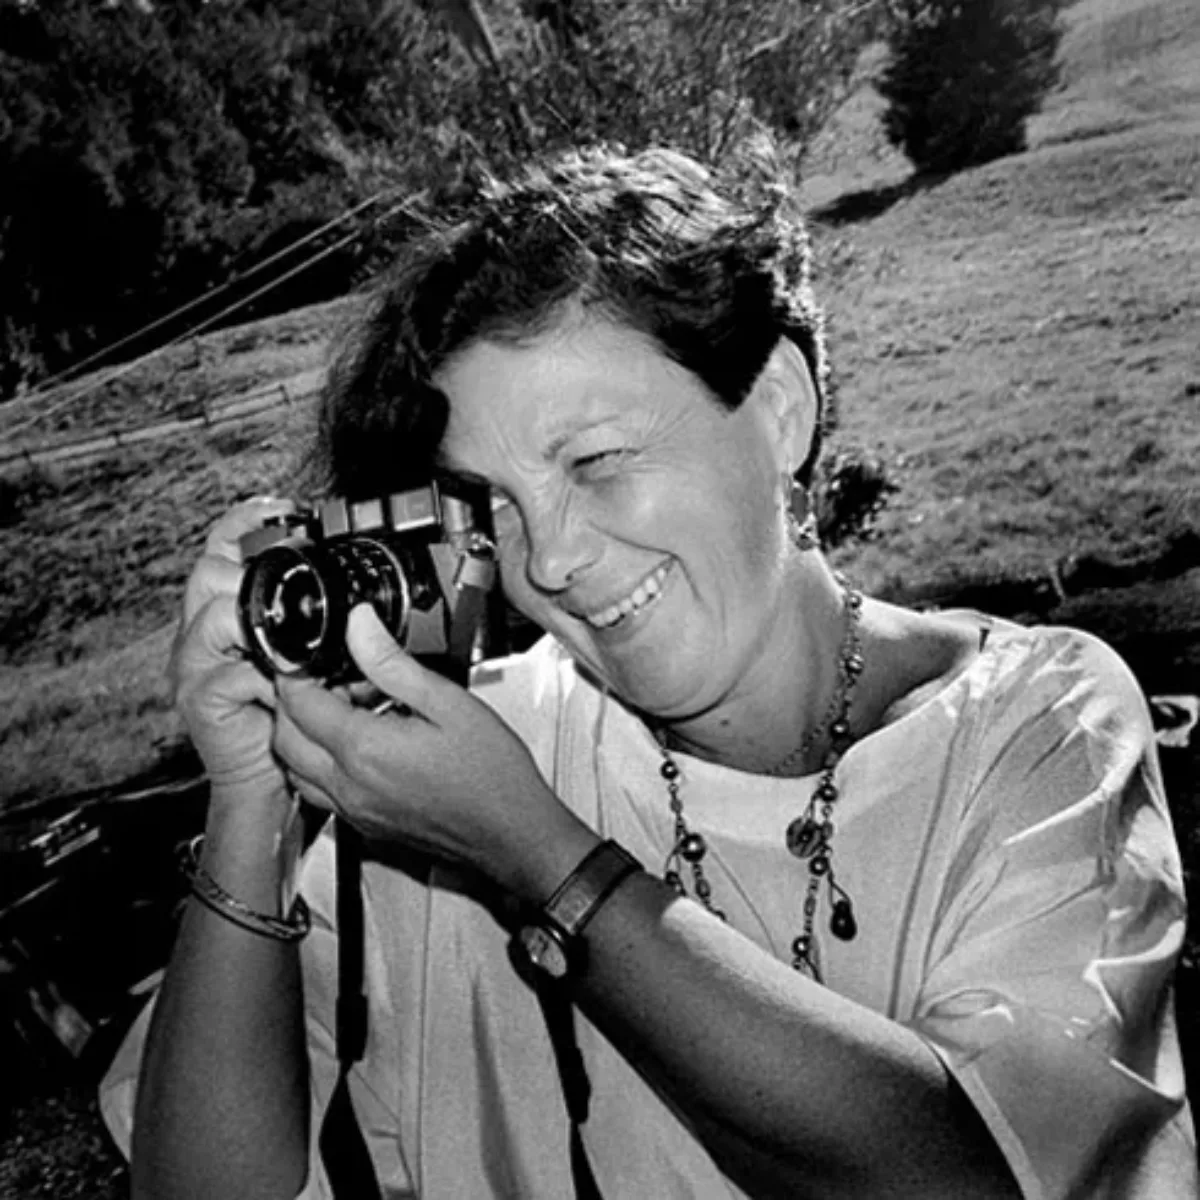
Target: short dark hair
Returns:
[[651, 241]]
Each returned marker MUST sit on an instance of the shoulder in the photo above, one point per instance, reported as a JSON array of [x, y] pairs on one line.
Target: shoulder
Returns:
[[1063, 675], [1067, 745], [1001, 670]]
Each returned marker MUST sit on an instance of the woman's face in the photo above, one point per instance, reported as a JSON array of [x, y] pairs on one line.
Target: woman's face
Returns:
[[637, 521]]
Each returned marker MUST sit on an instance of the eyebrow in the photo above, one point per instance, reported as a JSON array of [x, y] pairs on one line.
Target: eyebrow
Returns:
[[555, 447]]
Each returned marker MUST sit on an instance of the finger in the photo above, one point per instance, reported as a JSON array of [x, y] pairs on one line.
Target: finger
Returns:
[[303, 756], [386, 665], [212, 637], [223, 538], [224, 692], [211, 577], [362, 694], [320, 715]]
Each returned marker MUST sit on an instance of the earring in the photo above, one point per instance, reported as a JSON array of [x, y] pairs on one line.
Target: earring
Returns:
[[801, 519]]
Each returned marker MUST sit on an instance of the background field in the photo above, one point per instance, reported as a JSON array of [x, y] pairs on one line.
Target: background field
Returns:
[[1020, 342]]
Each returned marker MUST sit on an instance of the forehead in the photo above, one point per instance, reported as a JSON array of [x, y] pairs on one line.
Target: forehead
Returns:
[[540, 392]]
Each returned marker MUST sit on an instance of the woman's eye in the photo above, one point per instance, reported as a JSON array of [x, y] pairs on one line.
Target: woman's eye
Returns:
[[599, 462]]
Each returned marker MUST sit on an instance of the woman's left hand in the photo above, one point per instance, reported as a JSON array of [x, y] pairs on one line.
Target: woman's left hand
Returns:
[[450, 778]]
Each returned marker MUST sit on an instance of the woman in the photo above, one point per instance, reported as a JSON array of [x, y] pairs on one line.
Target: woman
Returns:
[[933, 896]]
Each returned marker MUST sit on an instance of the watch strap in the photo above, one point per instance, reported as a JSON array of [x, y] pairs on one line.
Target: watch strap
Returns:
[[576, 900]]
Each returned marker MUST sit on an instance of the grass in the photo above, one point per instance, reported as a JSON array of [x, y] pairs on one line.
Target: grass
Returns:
[[217, 366], [1020, 338]]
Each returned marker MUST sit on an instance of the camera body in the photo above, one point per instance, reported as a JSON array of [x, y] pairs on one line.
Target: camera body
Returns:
[[424, 559]]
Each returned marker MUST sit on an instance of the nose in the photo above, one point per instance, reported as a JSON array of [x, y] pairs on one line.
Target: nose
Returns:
[[562, 544]]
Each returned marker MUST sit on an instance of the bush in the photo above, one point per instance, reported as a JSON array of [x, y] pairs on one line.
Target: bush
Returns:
[[962, 77], [852, 488]]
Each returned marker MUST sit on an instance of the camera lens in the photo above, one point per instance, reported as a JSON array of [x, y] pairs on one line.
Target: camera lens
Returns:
[[295, 601]]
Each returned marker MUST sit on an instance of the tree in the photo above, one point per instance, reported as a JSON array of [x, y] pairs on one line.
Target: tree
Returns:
[[149, 151], [700, 75], [962, 77], [102, 183]]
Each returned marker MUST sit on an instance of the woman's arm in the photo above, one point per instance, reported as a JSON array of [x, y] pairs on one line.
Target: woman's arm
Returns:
[[795, 1090], [222, 1098], [222, 1101]]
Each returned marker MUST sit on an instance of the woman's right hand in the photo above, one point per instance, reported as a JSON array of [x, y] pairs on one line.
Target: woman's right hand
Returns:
[[226, 702]]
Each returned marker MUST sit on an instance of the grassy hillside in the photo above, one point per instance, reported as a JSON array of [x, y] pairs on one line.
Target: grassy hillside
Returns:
[[1019, 340]]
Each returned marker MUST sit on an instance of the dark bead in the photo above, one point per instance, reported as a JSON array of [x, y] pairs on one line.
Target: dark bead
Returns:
[[853, 664], [827, 830], [693, 847], [669, 770], [803, 836], [671, 878], [810, 905], [854, 600], [840, 728], [842, 923], [819, 864], [800, 946], [827, 791], [703, 889]]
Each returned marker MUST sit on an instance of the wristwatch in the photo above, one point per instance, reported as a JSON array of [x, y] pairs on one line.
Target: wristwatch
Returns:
[[551, 941]]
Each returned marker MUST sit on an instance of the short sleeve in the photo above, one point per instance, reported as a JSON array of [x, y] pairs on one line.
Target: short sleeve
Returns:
[[1048, 987]]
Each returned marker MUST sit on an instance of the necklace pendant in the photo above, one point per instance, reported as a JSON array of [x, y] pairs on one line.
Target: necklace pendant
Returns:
[[804, 835], [807, 961], [842, 923]]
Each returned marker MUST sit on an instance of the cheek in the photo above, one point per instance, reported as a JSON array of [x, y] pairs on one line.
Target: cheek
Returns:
[[512, 556]]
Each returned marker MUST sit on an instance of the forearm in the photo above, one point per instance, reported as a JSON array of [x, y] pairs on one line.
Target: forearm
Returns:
[[794, 1090], [222, 1104]]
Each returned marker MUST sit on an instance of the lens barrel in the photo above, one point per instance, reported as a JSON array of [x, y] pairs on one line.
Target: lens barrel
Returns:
[[296, 598]]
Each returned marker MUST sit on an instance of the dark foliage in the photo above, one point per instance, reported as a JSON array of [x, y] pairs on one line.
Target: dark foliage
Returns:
[[151, 153], [962, 77], [853, 486]]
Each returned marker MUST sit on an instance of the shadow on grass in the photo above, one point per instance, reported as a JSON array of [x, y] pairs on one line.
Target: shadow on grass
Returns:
[[852, 207]]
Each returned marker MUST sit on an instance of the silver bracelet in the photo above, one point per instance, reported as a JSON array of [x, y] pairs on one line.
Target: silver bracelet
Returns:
[[215, 898]]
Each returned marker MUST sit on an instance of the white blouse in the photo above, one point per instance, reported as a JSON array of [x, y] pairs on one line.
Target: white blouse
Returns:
[[1019, 903]]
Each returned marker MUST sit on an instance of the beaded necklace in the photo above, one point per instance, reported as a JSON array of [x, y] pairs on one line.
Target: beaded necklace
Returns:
[[809, 837]]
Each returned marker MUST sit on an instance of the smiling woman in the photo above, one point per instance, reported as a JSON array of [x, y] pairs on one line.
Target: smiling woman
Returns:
[[643, 527], [840, 899]]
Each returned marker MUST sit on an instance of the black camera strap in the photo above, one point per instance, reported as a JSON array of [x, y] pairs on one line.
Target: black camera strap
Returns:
[[559, 1013], [343, 1148]]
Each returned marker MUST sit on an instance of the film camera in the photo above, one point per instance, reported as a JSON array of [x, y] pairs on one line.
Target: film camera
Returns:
[[424, 559]]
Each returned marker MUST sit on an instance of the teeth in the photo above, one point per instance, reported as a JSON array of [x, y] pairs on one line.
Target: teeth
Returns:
[[641, 595]]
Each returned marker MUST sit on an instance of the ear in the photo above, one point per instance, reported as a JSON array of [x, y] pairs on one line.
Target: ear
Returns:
[[787, 398]]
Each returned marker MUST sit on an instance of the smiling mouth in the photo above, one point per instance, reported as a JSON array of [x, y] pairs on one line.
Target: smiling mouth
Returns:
[[643, 595]]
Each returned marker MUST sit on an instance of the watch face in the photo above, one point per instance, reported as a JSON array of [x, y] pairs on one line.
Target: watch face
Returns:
[[545, 951]]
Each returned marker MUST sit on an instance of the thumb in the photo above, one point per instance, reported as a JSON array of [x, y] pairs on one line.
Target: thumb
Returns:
[[386, 664]]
